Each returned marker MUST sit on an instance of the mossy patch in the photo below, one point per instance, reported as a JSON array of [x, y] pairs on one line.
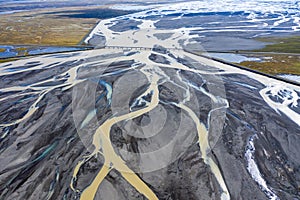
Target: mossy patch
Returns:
[[276, 64], [282, 45], [40, 28]]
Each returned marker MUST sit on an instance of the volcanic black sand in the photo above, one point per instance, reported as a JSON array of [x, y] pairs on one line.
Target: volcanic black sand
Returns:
[[143, 118], [52, 114]]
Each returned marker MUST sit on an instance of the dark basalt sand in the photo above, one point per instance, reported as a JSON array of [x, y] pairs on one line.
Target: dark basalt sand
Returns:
[[50, 115]]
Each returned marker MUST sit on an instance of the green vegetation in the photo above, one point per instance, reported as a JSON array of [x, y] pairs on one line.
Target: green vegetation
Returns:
[[278, 64], [282, 45], [42, 28]]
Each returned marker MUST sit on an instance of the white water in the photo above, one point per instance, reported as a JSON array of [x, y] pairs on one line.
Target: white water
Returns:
[[254, 170], [261, 16]]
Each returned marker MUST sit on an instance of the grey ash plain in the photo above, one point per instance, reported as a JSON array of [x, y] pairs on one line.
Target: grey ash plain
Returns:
[[47, 146], [74, 93]]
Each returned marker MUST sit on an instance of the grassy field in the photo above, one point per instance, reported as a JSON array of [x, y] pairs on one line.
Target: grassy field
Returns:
[[44, 28], [282, 45], [58, 26], [276, 64], [64, 26], [279, 63]]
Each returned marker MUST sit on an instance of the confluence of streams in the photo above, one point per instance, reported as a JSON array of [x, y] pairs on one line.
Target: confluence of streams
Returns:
[[103, 144], [101, 138]]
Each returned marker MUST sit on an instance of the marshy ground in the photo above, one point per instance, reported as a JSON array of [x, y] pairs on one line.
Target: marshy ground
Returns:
[[60, 26], [49, 30], [40, 28], [275, 64], [283, 56]]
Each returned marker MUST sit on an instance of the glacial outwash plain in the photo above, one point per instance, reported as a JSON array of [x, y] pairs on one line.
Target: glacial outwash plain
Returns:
[[149, 107]]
